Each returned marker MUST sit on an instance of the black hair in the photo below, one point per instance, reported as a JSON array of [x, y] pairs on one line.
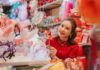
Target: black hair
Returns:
[[73, 31]]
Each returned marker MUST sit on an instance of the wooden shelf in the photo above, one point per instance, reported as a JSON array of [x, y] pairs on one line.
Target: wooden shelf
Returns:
[[51, 5]]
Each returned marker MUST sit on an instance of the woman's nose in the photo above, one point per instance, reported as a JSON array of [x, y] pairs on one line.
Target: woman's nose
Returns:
[[63, 29]]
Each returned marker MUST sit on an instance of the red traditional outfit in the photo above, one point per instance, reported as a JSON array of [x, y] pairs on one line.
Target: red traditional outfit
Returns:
[[65, 51]]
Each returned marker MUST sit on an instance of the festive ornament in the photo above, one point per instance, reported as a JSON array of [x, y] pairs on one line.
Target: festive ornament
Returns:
[[90, 10], [9, 52], [76, 17], [65, 8]]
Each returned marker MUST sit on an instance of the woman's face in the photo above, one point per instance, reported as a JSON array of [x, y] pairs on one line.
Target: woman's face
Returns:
[[64, 30]]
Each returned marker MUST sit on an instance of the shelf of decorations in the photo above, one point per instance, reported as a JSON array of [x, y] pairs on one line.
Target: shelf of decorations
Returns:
[[50, 22], [51, 5]]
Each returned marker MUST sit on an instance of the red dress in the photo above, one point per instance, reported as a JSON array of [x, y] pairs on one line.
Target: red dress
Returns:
[[66, 51]]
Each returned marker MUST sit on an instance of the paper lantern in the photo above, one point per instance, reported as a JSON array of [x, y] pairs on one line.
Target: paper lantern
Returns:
[[90, 10]]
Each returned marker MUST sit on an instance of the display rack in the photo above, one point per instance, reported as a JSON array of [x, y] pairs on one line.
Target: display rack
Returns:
[[51, 5]]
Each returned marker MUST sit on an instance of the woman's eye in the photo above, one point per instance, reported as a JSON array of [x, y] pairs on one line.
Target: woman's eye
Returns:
[[62, 25], [67, 28]]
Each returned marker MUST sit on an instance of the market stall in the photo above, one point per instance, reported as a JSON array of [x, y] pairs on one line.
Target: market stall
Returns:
[[30, 28]]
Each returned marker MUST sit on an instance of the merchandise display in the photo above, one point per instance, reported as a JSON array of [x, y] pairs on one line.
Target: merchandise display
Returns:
[[66, 7], [42, 2], [49, 34]]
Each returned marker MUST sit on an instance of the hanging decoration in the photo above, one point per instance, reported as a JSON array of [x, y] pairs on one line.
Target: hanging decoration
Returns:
[[9, 52], [65, 9], [90, 10]]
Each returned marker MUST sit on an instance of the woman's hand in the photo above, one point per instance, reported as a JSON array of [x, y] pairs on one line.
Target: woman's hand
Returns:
[[52, 51], [73, 64]]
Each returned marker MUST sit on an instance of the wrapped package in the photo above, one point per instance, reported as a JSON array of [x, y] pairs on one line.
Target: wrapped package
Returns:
[[86, 34], [36, 47], [38, 50]]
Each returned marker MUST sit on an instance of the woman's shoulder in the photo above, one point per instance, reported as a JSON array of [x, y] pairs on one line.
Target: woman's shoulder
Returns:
[[52, 40]]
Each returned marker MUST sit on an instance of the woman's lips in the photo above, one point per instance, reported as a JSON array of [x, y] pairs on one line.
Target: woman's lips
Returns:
[[62, 33]]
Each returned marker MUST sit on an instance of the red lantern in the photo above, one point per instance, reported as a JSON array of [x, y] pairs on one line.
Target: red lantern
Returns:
[[90, 10]]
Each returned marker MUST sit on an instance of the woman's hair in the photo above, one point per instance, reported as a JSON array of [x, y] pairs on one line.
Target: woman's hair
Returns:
[[73, 32]]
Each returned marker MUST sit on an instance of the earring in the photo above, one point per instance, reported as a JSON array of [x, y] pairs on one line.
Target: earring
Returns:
[[69, 36]]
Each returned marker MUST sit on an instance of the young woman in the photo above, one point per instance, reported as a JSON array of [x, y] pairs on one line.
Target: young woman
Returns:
[[64, 44]]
